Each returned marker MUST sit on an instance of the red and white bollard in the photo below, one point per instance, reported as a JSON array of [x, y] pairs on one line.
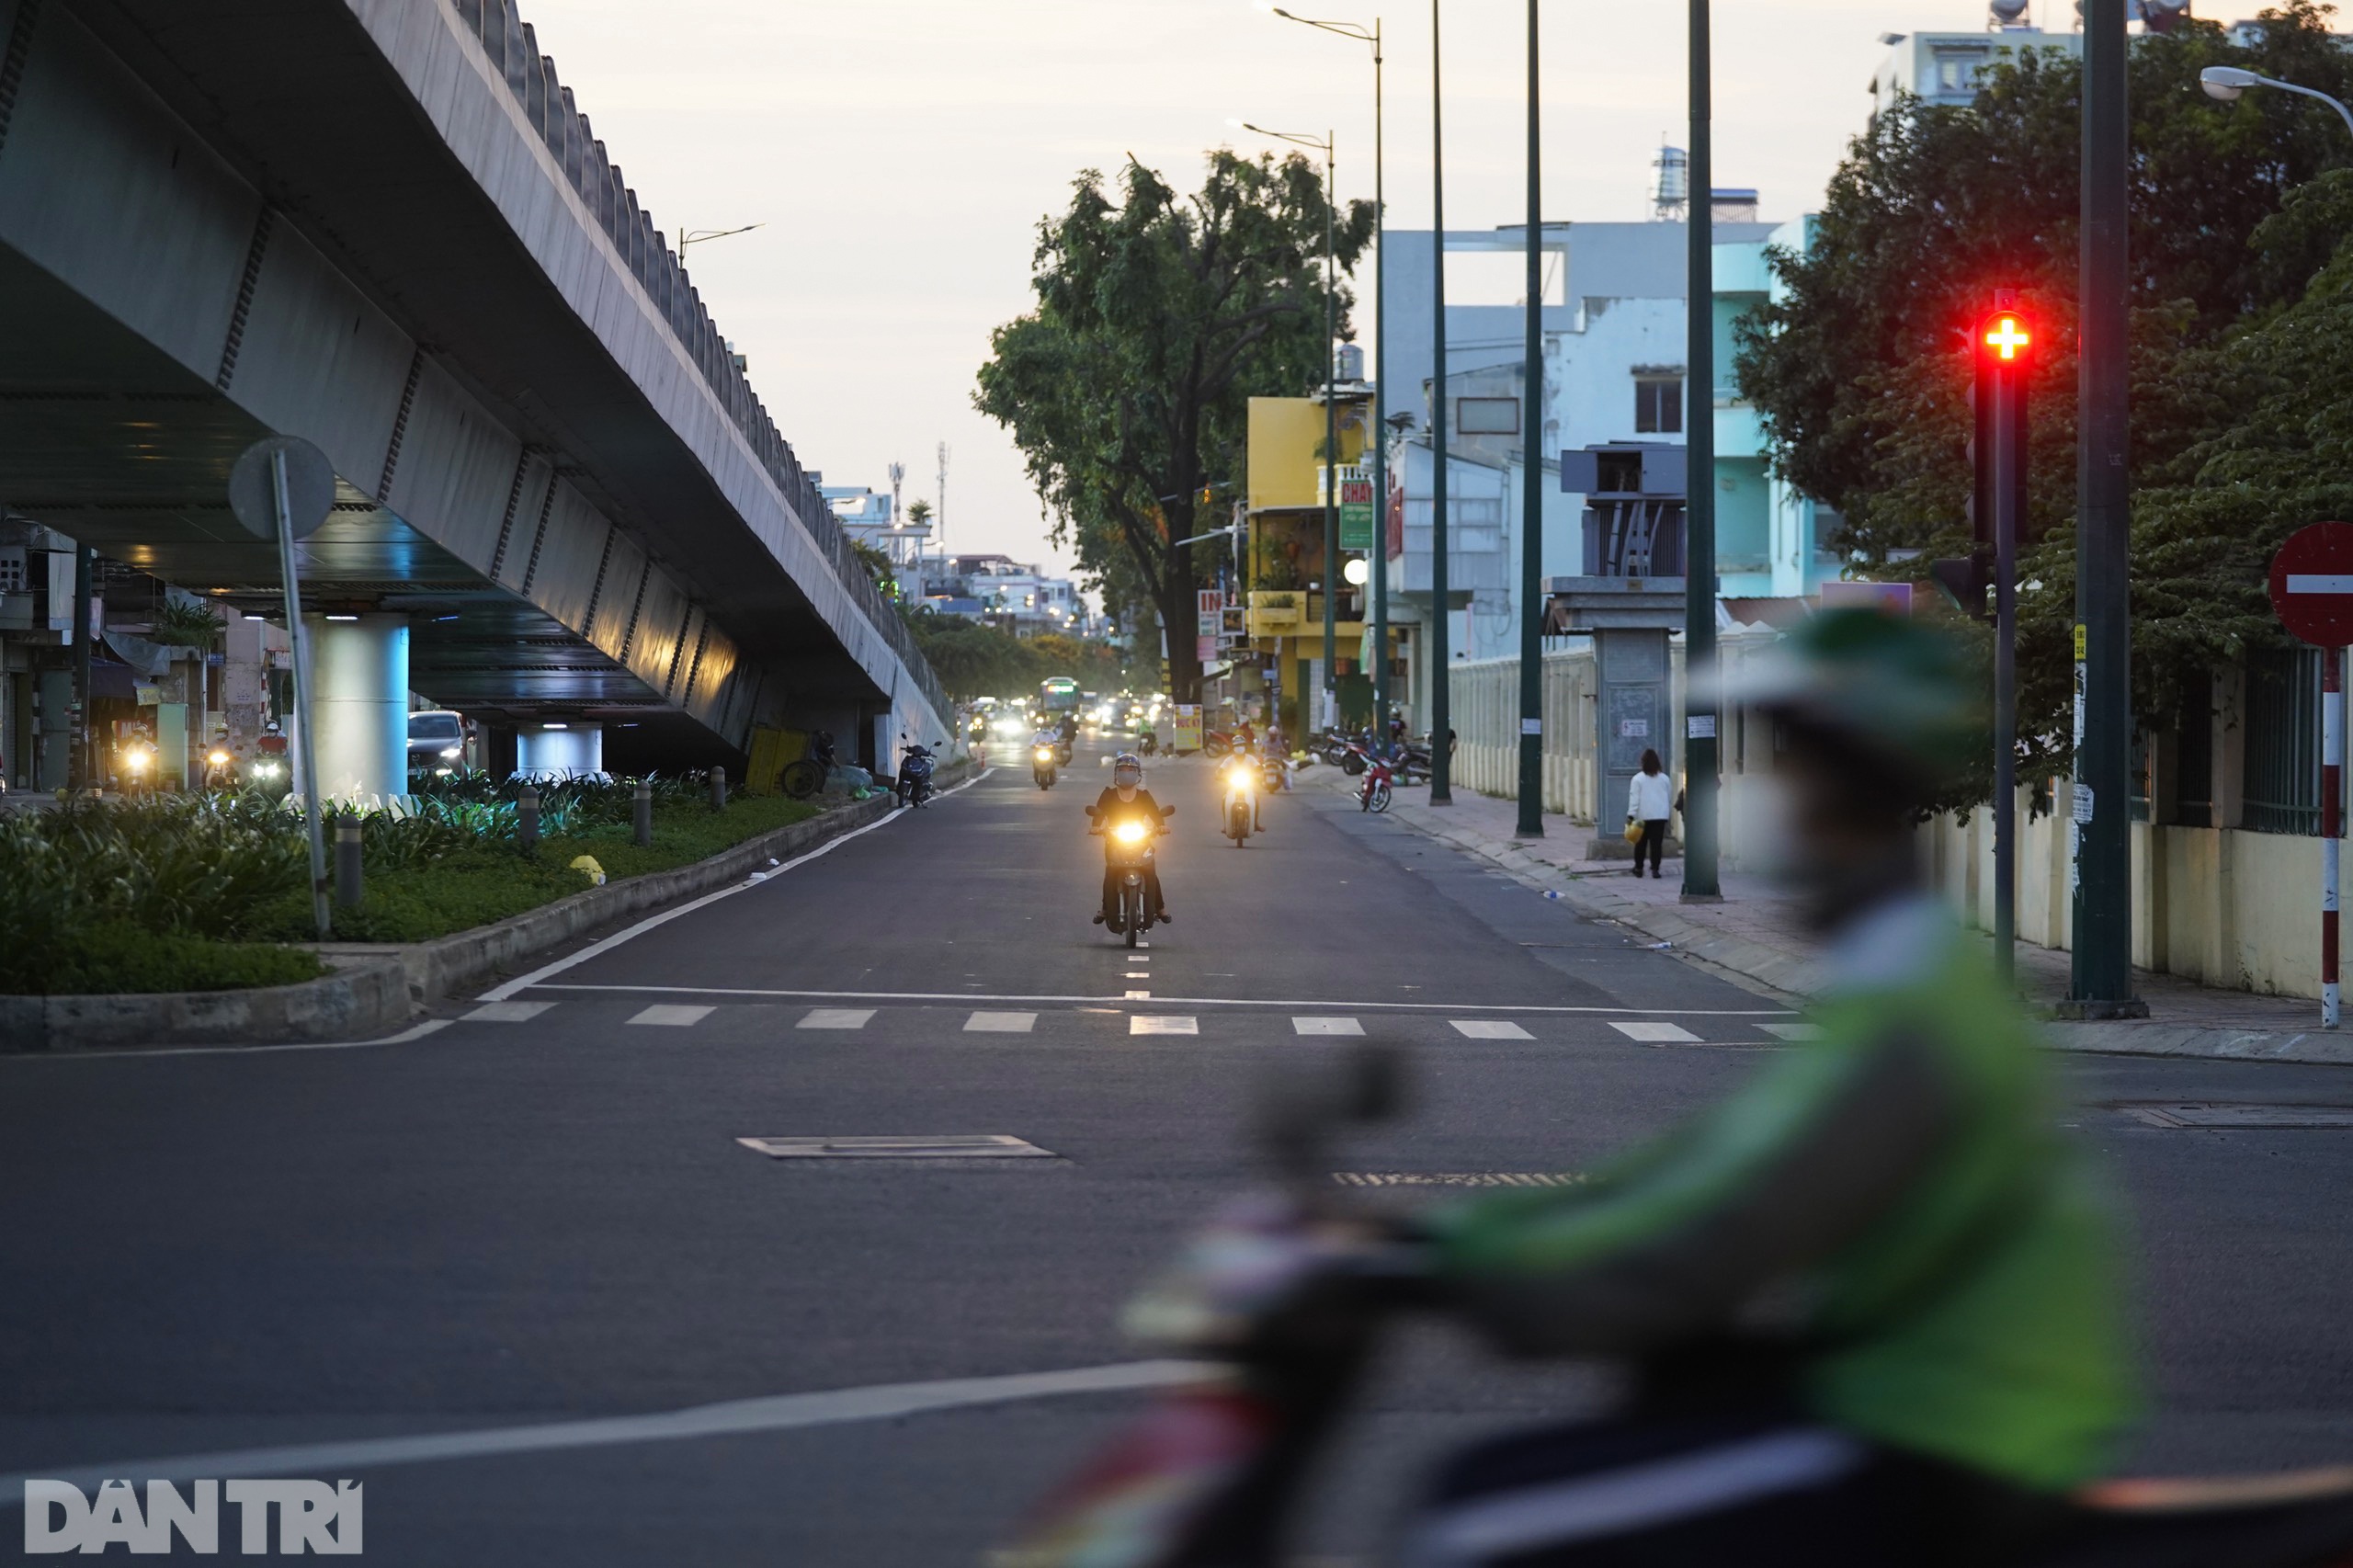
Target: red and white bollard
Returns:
[[2332, 775]]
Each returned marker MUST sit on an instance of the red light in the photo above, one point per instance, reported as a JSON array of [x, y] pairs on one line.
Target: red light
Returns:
[[2006, 337]]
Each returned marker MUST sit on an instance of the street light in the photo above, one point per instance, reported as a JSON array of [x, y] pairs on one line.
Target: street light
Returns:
[[2227, 82], [696, 236], [1331, 398], [1381, 368]]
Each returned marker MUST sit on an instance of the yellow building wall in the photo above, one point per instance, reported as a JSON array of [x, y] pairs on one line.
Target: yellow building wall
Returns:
[[1286, 433]]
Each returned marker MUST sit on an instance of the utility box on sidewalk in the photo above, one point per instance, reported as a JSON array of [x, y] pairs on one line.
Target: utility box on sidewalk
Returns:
[[1629, 620]]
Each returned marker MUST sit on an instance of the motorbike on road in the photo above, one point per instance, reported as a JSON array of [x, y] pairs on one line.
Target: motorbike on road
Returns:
[[915, 775], [1128, 851], [1041, 765], [1238, 813], [1287, 1296]]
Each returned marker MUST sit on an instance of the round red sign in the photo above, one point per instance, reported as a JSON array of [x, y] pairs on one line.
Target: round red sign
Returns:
[[2311, 583]]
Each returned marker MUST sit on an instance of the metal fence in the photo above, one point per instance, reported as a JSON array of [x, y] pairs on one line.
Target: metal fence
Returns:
[[514, 48], [2281, 790]]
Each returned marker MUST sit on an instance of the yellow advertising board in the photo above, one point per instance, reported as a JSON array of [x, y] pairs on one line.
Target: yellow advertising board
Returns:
[[1189, 727]]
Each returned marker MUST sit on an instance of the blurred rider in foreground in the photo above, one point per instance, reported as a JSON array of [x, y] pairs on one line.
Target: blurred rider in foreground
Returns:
[[1884, 1238]]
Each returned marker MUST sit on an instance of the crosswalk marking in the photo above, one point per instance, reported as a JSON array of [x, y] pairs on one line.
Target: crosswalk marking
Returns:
[[1489, 1029], [1650, 1033], [675, 1015], [836, 1019], [1000, 1023], [1794, 1033], [1325, 1026], [1137, 996], [1142, 1024], [506, 1012]]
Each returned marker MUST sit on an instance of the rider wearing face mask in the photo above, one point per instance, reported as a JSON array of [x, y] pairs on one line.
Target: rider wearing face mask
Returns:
[[1126, 800], [1885, 1236]]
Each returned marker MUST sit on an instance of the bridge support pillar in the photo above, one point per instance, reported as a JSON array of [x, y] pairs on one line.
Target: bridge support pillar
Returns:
[[559, 749], [359, 703]]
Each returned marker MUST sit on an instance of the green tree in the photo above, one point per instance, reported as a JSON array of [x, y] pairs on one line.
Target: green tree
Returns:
[[1860, 367], [1158, 317]]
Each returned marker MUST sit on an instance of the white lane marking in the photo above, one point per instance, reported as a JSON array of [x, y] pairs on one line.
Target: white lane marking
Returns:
[[1794, 1033], [505, 1012], [1191, 1000], [1137, 996], [525, 981], [1325, 1026], [776, 1412], [836, 1019], [1145, 1024], [416, 1031], [673, 1014], [1652, 1032], [1001, 1023], [1489, 1029]]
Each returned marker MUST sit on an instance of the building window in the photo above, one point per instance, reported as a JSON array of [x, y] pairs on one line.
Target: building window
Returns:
[[1957, 73], [1486, 416], [1658, 406]]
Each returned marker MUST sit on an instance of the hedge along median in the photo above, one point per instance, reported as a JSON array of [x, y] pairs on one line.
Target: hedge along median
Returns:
[[185, 893]]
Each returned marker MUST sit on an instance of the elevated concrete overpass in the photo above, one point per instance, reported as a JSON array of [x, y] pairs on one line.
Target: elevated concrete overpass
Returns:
[[385, 226]]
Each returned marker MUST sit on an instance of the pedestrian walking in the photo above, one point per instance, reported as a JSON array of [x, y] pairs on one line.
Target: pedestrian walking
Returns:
[[1649, 801]]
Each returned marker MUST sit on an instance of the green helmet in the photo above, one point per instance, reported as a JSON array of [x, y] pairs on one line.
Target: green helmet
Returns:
[[1889, 686]]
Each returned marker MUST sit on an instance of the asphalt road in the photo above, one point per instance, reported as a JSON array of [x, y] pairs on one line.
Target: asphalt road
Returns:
[[541, 1214]]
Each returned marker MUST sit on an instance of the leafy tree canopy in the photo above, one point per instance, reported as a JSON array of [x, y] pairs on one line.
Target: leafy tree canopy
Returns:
[[1158, 317], [1860, 367]]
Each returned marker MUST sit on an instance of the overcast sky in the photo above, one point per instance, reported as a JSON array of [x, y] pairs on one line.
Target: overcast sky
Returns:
[[900, 152]]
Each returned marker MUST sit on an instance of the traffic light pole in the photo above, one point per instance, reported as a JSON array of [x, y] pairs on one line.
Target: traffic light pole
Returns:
[[1532, 503], [1700, 875], [1439, 647], [2100, 984], [2003, 384]]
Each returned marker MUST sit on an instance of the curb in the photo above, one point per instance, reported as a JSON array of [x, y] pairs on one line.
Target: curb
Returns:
[[1793, 976], [378, 987]]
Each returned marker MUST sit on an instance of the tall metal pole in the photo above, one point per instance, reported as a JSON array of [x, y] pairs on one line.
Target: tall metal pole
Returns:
[[82, 770], [1439, 648], [299, 636], [2006, 387], [1531, 495], [2332, 827], [1380, 424], [2101, 980], [1699, 883], [1331, 431]]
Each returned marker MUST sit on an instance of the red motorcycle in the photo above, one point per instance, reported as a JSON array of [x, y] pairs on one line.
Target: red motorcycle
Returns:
[[1380, 781]]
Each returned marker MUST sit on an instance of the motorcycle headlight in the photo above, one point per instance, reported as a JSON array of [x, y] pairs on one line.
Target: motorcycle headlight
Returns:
[[218, 758], [1129, 833], [265, 771], [134, 760], [1045, 754]]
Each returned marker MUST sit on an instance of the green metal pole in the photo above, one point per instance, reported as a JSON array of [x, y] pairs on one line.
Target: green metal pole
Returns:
[[2100, 984], [1532, 503], [1331, 426], [1700, 874], [1441, 631], [1380, 423]]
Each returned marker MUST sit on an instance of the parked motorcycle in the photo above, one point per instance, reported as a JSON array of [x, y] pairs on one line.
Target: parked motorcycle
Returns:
[[1288, 1295], [1380, 782], [1215, 743], [1128, 851], [1237, 814], [915, 775], [1041, 765]]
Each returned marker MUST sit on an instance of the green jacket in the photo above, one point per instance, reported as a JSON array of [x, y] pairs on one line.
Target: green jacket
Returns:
[[1896, 1193]]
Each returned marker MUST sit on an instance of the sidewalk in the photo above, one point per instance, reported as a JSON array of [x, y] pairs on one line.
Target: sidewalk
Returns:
[[1755, 937]]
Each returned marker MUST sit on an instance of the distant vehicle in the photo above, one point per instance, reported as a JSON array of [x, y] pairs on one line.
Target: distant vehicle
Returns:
[[1058, 695], [436, 743]]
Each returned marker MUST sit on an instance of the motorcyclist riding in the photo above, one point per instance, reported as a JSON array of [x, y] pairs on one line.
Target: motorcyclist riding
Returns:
[[1125, 800], [1889, 1219]]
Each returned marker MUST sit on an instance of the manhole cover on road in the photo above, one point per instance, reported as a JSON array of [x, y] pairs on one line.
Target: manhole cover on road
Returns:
[[950, 1146], [2323, 1117]]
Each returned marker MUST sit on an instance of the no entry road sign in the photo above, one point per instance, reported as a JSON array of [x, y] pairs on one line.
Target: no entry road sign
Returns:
[[2311, 583]]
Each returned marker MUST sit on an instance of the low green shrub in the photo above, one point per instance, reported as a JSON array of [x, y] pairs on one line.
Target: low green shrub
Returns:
[[108, 957]]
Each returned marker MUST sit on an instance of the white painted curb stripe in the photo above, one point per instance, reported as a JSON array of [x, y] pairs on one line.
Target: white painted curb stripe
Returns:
[[415, 1031], [521, 983], [777, 1413]]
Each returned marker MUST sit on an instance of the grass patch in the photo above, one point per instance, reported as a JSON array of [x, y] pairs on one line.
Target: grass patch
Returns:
[[114, 957], [490, 882]]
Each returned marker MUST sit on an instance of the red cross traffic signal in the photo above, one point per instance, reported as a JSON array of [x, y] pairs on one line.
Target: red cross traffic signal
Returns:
[[2006, 337]]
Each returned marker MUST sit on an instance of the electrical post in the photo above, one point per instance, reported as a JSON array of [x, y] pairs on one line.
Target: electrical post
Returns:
[[2100, 984], [1331, 440], [1701, 883], [1380, 430], [2003, 340], [1531, 503], [1441, 631]]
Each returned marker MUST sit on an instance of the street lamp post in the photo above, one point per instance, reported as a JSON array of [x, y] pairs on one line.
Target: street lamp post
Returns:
[[1441, 713], [1379, 431], [1532, 503], [1331, 403], [696, 236], [2227, 82], [1700, 884]]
